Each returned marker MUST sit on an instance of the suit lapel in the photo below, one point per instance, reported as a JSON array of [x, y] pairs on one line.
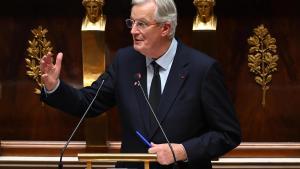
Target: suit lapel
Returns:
[[176, 78], [143, 106]]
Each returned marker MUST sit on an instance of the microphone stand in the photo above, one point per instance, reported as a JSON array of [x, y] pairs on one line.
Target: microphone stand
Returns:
[[160, 127], [60, 164]]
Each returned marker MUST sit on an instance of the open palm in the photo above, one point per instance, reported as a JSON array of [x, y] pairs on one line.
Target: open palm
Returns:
[[50, 71]]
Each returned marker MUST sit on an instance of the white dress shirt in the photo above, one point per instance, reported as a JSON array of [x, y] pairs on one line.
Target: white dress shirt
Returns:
[[165, 62]]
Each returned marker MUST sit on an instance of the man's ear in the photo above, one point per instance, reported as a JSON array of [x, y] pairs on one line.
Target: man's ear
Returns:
[[166, 29]]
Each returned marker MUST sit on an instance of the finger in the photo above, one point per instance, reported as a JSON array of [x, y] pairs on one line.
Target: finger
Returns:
[[42, 65], [153, 144], [45, 68], [48, 58], [154, 148], [58, 61], [151, 149], [46, 62]]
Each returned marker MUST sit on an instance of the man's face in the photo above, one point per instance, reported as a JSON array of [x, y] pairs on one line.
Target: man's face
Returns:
[[147, 38], [93, 10]]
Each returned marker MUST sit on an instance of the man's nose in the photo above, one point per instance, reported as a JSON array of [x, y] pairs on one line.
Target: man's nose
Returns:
[[134, 29]]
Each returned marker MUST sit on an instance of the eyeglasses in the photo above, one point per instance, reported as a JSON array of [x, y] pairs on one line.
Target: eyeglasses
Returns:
[[140, 25]]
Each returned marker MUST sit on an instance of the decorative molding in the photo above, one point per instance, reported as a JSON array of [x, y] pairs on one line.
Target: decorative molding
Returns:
[[40, 148], [38, 47], [258, 163], [72, 162], [46, 162], [245, 149], [262, 58], [247, 155], [266, 149]]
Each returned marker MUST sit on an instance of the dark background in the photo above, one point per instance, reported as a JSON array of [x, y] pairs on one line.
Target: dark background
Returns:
[[24, 117]]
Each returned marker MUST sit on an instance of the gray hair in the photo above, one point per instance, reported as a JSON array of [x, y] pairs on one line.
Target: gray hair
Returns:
[[166, 12]]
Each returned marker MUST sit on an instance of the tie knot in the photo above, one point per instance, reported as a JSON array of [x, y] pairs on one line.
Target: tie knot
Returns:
[[155, 67]]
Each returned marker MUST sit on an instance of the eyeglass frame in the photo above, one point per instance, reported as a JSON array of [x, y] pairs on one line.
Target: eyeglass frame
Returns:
[[137, 23]]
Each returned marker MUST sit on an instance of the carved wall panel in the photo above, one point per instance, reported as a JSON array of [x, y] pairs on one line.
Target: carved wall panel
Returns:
[[22, 117]]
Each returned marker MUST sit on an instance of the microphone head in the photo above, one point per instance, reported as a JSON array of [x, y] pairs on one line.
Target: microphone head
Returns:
[[137, 76]]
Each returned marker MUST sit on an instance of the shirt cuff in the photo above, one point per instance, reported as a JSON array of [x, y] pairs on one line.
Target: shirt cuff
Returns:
[[53, 90]]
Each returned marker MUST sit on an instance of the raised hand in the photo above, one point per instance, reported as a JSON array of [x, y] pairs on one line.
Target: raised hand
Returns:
[[50, 71]]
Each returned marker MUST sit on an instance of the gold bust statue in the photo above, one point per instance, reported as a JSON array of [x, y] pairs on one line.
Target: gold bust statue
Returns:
[[205, 19], [94, 19]]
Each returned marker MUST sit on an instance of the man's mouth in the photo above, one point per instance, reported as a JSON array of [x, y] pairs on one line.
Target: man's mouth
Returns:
[[137, 39]]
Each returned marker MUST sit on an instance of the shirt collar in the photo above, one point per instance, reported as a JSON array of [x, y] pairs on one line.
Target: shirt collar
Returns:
[[166, 59]]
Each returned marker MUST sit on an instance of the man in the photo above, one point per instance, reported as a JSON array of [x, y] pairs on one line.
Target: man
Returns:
[[194, 108]]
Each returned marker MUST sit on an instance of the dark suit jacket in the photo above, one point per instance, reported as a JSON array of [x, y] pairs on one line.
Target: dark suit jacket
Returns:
[[195, 108]]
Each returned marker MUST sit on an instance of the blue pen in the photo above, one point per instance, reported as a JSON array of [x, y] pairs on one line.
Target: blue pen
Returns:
[[143, 139]]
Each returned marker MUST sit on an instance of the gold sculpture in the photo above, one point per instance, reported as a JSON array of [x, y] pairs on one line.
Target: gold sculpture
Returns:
[[94, 19], [38, 47], [205, 18], [262, 58], [93, 64]]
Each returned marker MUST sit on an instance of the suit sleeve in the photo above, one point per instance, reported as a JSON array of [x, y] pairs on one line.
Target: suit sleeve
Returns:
[[223, 128], [75, 101]]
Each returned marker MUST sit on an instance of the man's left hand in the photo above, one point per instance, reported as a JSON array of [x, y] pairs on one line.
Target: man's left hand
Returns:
[[164, 154]]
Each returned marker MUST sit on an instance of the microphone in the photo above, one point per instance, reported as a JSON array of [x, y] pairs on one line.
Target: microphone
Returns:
[[137, 77], [60, 164]]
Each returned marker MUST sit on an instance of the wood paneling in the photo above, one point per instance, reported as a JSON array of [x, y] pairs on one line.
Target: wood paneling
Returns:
[[34, 154], [24, 117], [278, 120]]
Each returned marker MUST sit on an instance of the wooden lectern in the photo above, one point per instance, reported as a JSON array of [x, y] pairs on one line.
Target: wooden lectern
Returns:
[[114, 157]]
